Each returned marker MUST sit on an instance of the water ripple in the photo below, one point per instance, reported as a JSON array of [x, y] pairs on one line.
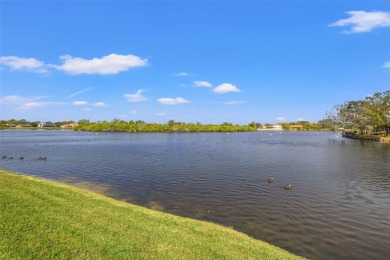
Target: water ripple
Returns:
[[339, 206]]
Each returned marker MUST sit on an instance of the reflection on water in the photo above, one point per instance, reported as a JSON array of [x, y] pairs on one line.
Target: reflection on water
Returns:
[[339, 206]]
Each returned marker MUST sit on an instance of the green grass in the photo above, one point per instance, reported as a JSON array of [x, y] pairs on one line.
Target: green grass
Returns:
[[41, 219]]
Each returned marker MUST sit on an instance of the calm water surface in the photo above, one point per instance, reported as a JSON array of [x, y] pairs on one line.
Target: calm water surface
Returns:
[[339, 206]]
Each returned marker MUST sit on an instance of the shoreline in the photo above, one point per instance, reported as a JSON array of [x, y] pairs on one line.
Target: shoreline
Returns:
[[43, 218], [381, 139]]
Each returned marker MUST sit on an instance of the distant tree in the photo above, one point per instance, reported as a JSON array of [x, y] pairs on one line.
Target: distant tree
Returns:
[[286, 126], [326, 124], [3, 124], [12, 121], [253, 124], [83, 121], [302, 122]]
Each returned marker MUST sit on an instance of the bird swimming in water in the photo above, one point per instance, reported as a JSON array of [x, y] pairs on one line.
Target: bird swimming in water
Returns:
[[11, 158], [4, 157], [270, 180], [288, 187], [42, 158], [21, 158]]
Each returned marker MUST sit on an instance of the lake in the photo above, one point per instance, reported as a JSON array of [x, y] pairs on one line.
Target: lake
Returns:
[[339, 206]]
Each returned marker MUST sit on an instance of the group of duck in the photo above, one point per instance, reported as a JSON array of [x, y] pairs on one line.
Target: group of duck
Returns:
[[21, 158], [287, 187]]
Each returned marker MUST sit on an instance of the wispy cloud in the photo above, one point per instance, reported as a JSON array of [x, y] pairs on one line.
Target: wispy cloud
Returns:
[[80, 103], [134, 111], [79, 92], [235, 102], [172, 101], [110, 64], [99, 104], [19, 63], [180, 74], [31, 105], [281, 119], [387, 64], [161, 114], [15, 99], [226, 88], [362, 21], [87, 109], [85, 103], [137, 97], [27, 103], [200, 83]]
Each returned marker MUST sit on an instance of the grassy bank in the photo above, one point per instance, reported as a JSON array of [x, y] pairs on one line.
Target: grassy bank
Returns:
[[43, 219]]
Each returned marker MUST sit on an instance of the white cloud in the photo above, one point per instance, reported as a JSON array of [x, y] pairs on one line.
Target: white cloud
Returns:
[[134, 111], [226, 88], [235, 102], [16, 99], [84, 103], [99, 104], [78, 92], [302, 119], [110, 64], [361, 21], [12, 99], [161, 114], [87, 109], [137, 97], [181, 74], [387, 64], [18, 63], [280, 119], [200, 83], [172, 101], [31, 105], [80, 103], [27, 103]]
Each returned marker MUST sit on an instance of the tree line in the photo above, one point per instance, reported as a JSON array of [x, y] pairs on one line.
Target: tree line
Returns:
[[371, 114], [25, 123], [117, 125]]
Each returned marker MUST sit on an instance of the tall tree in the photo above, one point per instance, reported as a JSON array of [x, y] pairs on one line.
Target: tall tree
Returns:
[[378, 109]]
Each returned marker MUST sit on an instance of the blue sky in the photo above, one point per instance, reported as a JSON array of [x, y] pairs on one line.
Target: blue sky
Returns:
[[205, 61]]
